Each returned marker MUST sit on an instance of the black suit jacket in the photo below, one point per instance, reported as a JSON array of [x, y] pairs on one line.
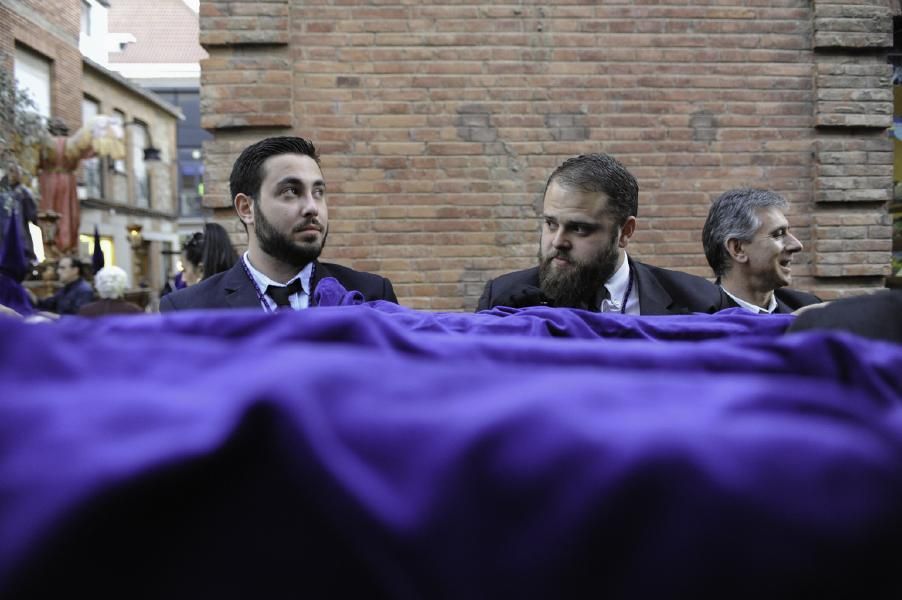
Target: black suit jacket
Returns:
[[787, 300], [661, 291], [233, 288], [877, 316]]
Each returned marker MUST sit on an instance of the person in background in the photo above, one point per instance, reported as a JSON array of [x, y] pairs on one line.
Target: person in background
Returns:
[[17, 200], [589, 215], [750, 248], [76, 292], [206, 254], [111, 283], [13, 270], [877, 316]]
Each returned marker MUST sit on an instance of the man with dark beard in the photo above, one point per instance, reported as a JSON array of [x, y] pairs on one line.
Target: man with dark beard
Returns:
[[590, 208], [280, 196]]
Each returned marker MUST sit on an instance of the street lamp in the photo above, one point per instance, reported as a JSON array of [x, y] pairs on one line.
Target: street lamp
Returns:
[[134, 235], [151, 152], [139, 251]]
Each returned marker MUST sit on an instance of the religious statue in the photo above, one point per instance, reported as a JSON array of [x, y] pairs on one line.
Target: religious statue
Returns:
[[60, 156]]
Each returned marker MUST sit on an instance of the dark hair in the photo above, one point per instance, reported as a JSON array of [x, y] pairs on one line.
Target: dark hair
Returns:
[[211, 249], [193, 248], [247, 172], [78, 264], [219, 255], [601, 173], [734, 215]]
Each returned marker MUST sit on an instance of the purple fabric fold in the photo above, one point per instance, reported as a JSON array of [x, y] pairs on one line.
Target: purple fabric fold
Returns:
[[372, 450], [329, 292]]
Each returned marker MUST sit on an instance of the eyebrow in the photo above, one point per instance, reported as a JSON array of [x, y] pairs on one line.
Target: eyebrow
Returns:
[[291, 180], [586, 224]]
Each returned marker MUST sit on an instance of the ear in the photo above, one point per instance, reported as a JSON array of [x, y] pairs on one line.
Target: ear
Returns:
[[627, 231], [736, 250], [244, 206]]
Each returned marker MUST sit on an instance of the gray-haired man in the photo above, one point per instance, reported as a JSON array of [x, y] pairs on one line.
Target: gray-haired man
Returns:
[[750, 248]]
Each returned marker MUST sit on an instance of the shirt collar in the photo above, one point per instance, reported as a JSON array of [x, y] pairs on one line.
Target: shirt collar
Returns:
[[617, 284], [264, 282], [771, 307]]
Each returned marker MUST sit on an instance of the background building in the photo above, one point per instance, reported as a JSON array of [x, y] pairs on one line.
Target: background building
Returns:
[[439, 124], [120, 196], [161, 52], [56, 51]]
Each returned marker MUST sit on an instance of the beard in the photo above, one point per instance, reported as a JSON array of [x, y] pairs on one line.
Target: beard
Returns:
[[281, 246], [577, 285]]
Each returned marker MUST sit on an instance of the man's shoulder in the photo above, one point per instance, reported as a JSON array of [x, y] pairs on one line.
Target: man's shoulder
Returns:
[[530, 276], [339, 271], [678, 278], [204, 294], [501, 286], [81, 292], [795, 298], [686, 292], [372, 286], [877, 316], [83, 287]]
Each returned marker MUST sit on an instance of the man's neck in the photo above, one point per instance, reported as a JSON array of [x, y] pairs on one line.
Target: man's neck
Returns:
[[271, 267], [740, 288], [620, 259]]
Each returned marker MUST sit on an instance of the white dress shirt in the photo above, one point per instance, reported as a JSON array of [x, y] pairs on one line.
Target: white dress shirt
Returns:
[[617, 285], [298, 301], [753, 307]]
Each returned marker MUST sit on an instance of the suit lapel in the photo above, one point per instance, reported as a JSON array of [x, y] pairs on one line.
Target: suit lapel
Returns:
[[653, 298], [240, 291], [320, 272], [726, 301], [782, 308]]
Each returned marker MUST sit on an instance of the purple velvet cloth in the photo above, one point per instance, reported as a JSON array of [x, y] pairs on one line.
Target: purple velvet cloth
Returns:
[[376, 451]]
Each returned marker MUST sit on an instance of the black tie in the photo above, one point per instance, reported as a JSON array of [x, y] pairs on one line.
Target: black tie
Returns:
[[281, 293]]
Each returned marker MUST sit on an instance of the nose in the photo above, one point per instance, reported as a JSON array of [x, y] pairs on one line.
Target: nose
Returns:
[[793, 244], [309, 208], [560, 239]]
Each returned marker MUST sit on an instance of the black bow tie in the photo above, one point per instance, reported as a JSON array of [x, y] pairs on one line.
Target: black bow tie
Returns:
[[281, 293]]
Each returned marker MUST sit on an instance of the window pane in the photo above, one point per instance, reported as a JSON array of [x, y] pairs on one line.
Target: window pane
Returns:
[[139, 168], [33, 77], [191, 192], [119, 165], [92, 174], [85, 18]]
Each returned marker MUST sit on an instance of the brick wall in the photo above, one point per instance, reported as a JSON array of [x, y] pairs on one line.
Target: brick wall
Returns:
[[853, 176], [439, 124], [49, 27]]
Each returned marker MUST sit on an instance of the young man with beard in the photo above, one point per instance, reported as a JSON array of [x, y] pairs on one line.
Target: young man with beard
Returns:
[[750, 249], [590, 208], [280, 196]]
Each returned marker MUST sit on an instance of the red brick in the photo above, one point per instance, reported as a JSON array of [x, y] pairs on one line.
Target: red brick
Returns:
[[385, 90]]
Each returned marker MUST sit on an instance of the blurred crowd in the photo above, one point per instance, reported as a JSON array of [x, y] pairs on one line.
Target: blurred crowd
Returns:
[[77, 290]]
